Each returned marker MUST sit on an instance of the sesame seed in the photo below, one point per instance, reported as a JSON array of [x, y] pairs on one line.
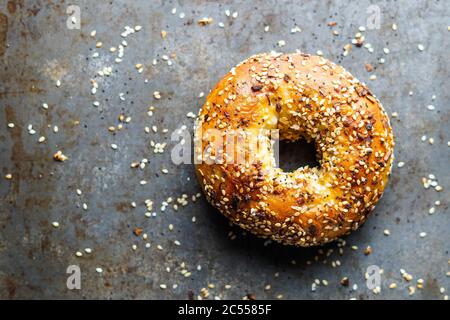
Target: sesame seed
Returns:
[[99, 270], [400, 164], [423, 234], [59, 156], [55, 224], [79, 254], [157, 95], [296, 29], [386, 232], [420, 47], [114, 146], [88, 250]]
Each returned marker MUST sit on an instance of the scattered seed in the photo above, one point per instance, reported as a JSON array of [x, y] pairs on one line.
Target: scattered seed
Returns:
[[157, 95], [59, 156]]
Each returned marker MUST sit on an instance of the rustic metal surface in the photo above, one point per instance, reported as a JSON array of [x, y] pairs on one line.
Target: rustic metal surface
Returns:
[[37, 49]]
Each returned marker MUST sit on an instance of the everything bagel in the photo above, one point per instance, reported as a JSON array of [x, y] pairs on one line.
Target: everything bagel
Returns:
[[303, 97]]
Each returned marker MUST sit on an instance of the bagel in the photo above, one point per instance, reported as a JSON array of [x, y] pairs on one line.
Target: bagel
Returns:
[[303, 97]]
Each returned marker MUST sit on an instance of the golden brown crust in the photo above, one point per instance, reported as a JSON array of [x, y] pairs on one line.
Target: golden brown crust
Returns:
[[304, 97]]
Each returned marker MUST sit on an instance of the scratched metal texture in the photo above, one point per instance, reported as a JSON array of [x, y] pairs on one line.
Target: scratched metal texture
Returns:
[[37, 49]]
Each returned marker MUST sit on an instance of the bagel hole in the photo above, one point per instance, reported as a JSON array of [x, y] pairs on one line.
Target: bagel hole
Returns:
[[297, 154]]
